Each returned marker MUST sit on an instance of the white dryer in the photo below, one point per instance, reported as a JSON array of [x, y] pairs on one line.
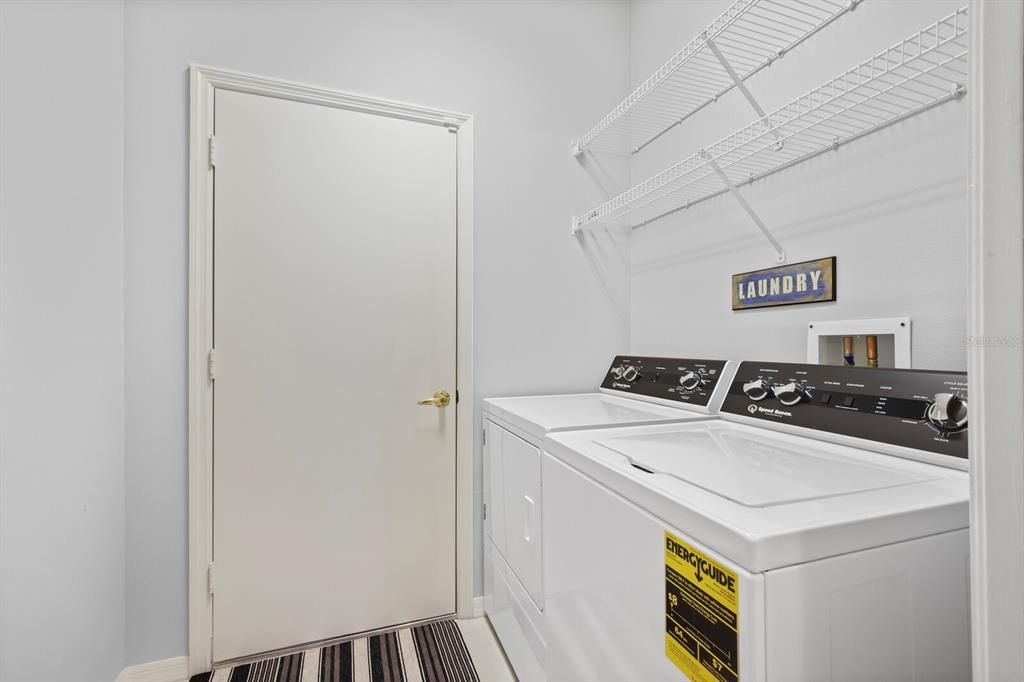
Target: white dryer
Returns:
[[634, 391], [817, 531]]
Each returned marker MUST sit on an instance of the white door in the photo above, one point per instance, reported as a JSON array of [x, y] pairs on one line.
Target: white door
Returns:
[[334, 313]]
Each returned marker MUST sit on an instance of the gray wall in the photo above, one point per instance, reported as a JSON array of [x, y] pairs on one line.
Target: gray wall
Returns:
[[61, 342], [892, 206], [550, 310]]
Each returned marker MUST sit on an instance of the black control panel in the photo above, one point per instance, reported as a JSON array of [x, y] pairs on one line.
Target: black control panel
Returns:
[[918, 409], [675, 379]]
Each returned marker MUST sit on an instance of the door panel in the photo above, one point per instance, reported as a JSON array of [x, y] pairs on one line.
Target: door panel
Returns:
[[334, 308], [523, 512]]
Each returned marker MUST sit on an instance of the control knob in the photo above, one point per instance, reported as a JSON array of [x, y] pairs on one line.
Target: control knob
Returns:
[[790, 394], [758, 389], [617, 372], [691, 381], [631, 373], [948, 412]]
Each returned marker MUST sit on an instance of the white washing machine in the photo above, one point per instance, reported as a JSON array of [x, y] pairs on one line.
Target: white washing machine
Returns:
[[634, 391], [817, 531]]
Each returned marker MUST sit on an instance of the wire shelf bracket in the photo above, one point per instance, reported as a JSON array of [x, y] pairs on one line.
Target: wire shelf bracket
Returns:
[[923, 71], [747, 37], [741, 86], [780, 253]]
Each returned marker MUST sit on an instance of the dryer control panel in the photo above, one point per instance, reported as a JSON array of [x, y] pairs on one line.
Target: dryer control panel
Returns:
[[918, 409], [677, 380]]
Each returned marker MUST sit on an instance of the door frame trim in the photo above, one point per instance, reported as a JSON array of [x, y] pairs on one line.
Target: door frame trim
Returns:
[[203, 81], [995, 327]]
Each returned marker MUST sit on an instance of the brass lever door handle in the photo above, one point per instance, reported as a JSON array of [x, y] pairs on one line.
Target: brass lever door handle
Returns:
[[440, 399]]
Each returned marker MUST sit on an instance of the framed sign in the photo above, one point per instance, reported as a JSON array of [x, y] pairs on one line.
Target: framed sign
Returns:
[[812, 281]]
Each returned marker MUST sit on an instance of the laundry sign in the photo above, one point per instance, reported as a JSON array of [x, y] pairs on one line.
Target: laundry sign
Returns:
[[811, 281]]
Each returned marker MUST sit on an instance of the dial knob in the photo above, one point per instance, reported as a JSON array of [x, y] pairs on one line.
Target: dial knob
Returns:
[[617, 372], [790, 394], [630, 373], [948, 412], [691, 381], [758, 389]]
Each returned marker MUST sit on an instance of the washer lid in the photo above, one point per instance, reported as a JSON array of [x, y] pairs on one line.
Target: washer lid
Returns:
[[765, 499], [753, 471], [537, 415]]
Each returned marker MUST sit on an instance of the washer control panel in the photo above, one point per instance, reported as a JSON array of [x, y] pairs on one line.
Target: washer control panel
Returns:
[[919, 409], [681, 380]]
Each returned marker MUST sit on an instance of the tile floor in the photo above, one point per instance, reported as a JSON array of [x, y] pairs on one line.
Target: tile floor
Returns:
[[487, 655]]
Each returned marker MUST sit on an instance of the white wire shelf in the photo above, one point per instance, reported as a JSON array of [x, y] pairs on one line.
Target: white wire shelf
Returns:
[[923, 71], [744, 39]]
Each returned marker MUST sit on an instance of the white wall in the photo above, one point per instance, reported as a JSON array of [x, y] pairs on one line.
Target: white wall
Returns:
[[84, 522], [551, 310], [61, 342], [892, 206]]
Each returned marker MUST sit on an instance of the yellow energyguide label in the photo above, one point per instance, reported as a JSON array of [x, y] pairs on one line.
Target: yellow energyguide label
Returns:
[[702, 606]]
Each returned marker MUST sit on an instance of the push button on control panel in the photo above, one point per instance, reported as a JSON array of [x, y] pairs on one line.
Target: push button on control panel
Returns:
[[847, 401]]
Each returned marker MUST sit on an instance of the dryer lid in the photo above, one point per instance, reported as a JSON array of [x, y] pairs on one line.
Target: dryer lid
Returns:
[[538, 415], [754, 471]]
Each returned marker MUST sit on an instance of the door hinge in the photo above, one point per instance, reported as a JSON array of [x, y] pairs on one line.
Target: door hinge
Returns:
[[485, 511], [484, 432], [211, 364], [209, 579], [213, 151], [456, 396]]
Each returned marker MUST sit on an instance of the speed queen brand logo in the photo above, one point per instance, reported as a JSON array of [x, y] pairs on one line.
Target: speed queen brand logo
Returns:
[[767, 411]]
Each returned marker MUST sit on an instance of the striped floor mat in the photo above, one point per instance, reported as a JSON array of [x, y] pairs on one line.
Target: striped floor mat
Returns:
[[434, 652]]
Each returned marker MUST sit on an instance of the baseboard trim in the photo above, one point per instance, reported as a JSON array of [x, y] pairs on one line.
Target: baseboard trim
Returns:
[[176, 669], [167, 670]]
